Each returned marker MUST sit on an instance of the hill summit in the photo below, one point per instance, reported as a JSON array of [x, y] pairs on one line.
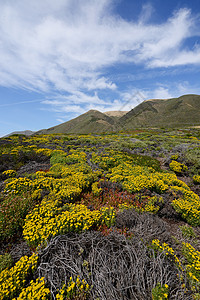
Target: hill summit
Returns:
[[175, 112]]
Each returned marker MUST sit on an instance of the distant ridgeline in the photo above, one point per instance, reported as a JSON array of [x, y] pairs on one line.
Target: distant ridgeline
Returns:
[[25, 132], [176, 112]]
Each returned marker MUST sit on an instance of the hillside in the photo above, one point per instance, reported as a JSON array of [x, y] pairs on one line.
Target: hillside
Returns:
[[115, 114], [91, 121], [176, 112]]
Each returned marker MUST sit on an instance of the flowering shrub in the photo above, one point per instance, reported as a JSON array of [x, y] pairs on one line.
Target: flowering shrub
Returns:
[[39, 224], [12, 281], [160, 292], [136, 178], [124, 206], [177, 167], [10, 173], [175, 156], [168, 251], [48, 220], [191, 269], [75, 289], [188, 205], [196, 179], [17, 185], [44, 151], [108, 216], [35, 291], [104, 161], [95, 189], [120, 181], [113, 158], [151, 204], [68, 188], [193, 266]]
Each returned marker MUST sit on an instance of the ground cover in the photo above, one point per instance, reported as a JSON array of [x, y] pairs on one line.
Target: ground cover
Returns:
[[108, 216]]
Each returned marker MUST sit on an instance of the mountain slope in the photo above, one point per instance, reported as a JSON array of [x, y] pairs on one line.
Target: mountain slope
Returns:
[[176, 112], [92, 121]]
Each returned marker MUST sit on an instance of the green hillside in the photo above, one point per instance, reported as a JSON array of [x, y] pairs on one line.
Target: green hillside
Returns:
[[176, 112], [91, 121]]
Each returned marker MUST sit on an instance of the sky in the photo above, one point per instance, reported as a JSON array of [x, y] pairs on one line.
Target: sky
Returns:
[[59, 59]]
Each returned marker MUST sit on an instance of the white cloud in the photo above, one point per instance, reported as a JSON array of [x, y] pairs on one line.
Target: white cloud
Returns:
[[173, 90], [78, 103], [71, 106], [66, 45], [43, 42], [162, 93], [146, 13], [164, 48], [178, 59]]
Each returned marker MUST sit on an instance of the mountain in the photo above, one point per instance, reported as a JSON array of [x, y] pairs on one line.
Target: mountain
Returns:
[[92, 121], [25, 132], [175, 112]]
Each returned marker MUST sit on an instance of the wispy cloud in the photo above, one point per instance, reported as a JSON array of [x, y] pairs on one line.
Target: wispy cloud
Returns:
[[166, 91], [146, 13], [79, 103], [21, 102], [66, 46]]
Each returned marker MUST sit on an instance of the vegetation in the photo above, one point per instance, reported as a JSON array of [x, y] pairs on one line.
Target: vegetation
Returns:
[[182, 112], [107, 216]]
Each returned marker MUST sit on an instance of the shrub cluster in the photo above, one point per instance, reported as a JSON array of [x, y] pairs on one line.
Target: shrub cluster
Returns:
[[92, 218]]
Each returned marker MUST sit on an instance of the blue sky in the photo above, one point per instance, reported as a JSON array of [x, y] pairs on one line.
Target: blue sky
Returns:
[[59, 59]]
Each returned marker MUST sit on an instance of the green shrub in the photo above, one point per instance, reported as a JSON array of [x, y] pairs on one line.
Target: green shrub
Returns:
[[13, 210], [58, 157], [146, 161], [187, 231], [192, 157], [5, 261], [160, 292]]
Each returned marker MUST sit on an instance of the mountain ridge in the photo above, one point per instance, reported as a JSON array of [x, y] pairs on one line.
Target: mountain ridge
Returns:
[[24, 132], [183, 111]]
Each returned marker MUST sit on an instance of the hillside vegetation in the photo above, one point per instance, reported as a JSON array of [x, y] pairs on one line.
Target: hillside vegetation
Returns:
[[92, 120], [103, 216], [176, 112], [182, 112]]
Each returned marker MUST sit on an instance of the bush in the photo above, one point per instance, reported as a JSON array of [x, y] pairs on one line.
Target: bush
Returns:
[[160, 292], [13, 210], [187, 231], [196, 179], [192, 157], [117, 268], [177, 167], [5, 261]]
